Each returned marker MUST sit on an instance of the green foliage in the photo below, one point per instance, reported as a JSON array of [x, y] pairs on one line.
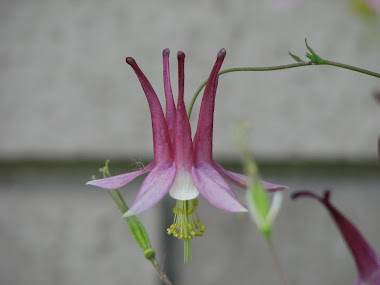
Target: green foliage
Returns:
[[257, 197], [296, 58], [312, 55], [363, 9], [136, 228]]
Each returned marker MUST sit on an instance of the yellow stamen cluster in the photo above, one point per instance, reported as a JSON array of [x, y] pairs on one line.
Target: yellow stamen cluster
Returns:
[[186, 224], [186, 221]]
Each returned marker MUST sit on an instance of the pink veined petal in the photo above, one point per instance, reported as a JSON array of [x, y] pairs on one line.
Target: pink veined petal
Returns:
[[118, 181], [170, 106], [242, 180], [155, 186], [183, 145], [366, 259], [161, 139], [214, 189], [203, 135]]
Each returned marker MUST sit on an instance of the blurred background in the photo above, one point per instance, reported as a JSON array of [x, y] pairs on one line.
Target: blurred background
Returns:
[[68, 102]]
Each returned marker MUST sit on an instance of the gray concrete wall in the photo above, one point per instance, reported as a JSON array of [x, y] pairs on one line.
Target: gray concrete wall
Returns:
[[67, 92], [54, 230]]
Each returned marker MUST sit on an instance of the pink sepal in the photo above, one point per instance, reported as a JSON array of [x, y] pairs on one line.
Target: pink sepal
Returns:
[[214, 189], [118, 181], [170, 106], [242, 180], [203, 136], [183, 144], [155, 186], [161, 139]]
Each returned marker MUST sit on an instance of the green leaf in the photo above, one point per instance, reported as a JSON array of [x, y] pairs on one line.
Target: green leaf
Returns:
[[259, 207], [138, 232], [259, 199], [309, 56], [296, 58], [313, 56], [136, 228]]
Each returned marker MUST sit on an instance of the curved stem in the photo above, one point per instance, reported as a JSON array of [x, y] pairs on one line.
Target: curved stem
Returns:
[[280, 67]]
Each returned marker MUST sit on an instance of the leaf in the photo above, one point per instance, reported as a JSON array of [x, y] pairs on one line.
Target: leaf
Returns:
[[296, 58], [313, 56]]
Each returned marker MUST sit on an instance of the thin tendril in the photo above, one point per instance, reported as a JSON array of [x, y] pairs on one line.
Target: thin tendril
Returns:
[[280, 67]]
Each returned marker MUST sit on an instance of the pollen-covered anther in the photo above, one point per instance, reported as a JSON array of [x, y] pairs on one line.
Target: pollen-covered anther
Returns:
[[186, 224]]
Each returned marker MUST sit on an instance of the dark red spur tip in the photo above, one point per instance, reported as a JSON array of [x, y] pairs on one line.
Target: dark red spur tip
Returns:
[[130, 60], [166, 52], [222, 53], [180, 55]]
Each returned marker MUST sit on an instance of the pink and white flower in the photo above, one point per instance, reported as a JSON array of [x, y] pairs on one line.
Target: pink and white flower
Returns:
[[182, 166]]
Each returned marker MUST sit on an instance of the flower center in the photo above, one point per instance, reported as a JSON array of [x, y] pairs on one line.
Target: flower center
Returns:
[[183, 187], [186, 224]]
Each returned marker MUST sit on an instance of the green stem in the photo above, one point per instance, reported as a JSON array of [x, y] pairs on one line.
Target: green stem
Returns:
[[164, 277], [136, 228], [350, 67], [277, 263], [116, 196], [280, 67], [132, 222]]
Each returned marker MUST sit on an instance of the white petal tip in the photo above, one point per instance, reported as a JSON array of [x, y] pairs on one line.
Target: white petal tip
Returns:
[[183, 187], [183, 195], [241, 210], [126, 215]]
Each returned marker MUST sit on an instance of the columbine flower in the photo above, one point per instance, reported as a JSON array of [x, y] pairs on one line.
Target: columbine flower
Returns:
[[182, 167], [367, 262]]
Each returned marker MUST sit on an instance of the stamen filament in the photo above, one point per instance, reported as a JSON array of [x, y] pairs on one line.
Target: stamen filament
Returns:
[[186, 225]]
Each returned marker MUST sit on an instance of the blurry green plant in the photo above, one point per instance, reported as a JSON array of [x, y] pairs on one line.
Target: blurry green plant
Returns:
[[365, 9], [136, 228], [261, 208]]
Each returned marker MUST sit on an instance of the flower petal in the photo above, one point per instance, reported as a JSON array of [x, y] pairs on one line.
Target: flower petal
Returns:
[[214, 189], [154, 187], [367, 262], [183, 144], [170, 106], [272, 187], [203, 136], [118, 181], [161, 139], [241, 180], [183, 187]]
